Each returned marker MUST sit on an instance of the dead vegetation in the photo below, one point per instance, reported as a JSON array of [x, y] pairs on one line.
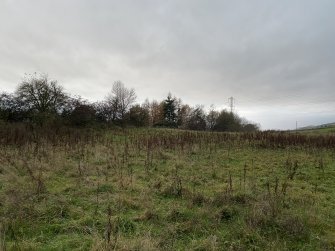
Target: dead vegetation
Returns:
[[165, 190]]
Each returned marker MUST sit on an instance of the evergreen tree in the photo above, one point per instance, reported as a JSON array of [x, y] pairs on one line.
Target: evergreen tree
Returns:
[[170, 116]]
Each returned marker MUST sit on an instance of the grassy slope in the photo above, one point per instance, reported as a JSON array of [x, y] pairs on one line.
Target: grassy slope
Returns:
[[204, 197], [320, 131]]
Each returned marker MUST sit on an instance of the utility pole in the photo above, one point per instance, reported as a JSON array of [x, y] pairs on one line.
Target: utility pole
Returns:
[[231, 104]]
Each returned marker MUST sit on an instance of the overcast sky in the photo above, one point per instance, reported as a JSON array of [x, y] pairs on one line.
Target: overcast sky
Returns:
[[276, 58]]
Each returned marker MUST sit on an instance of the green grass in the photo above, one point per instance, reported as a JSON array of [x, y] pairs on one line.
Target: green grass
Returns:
[[319, 131], [205, 196]]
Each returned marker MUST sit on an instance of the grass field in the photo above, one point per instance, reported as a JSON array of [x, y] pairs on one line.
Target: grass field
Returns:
[[160, 189], [319, 131]]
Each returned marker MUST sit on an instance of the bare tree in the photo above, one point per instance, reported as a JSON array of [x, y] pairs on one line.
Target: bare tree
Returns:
[[40, 94], [197, 119], [119, 100], [212, 117], [156, 113], [183, 115], [11, 108]]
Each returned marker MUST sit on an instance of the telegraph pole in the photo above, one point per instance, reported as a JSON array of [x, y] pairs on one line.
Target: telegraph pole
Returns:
[[231, 104]]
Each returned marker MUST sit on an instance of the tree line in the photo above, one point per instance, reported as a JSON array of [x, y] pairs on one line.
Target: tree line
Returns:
[[40, 100]]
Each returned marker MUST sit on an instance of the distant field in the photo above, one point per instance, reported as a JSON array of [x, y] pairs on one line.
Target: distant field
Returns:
[[72, 189], [321, 131]]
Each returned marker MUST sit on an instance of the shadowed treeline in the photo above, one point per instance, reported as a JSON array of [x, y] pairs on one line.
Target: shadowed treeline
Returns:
[[41, 101]]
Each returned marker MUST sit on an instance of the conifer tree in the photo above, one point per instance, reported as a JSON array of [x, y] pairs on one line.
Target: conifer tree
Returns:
[[170, 116]]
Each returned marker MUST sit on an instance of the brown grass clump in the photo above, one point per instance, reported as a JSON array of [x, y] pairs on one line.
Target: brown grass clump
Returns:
[[227, 214], [147, 216], [224, 198], [198, 199], [176, 215], [294, 227], [126, 203]]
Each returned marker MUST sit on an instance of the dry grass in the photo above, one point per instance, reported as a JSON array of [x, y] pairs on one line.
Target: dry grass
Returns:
[[165, 190]]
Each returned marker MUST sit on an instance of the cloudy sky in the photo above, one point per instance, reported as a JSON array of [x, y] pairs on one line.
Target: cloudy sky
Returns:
[[276, 58]]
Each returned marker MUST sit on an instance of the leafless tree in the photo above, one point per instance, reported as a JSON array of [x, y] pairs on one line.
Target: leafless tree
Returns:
[[212, 117], [183, 115], [40, 94], [119, 100]]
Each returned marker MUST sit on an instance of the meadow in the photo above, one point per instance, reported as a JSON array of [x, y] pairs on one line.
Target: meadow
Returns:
[[160, 189]]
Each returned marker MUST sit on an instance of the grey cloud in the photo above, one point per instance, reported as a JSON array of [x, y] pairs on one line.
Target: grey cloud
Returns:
[[270, 53]]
